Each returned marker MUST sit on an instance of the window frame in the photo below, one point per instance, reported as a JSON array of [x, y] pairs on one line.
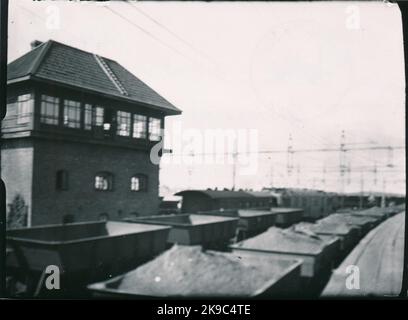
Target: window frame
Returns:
[[62, 180], [98, 118], [27, 104], [126, 117], [108, 176], [88, 116], [103, 217], [47, 117], [75, 107], [152, 134], [142, 182], [139, 126]]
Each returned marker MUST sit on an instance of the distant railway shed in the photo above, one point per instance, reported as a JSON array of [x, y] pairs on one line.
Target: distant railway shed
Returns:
[[169, 205], [213, 199], [316, 204], [370, 199]]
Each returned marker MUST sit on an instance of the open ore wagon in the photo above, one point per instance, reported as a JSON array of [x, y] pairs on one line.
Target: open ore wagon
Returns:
[[188, 272], [83, 252], [194, 229], [315, 252], [251, 221]]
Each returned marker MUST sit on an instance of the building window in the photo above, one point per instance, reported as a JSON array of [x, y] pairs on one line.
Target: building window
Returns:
[[24, 108], [62, 180], [103, 217], [123, 120], [139, 126], [49, 109], [68, 218], [88, 117], [154, 129], [103, 181], [98, 114], [138, 182], [72, 114]]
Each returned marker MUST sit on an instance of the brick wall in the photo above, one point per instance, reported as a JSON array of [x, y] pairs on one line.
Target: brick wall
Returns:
[[83, 161]]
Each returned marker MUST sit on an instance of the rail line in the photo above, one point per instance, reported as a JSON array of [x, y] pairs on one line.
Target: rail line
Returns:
[[379, 257]]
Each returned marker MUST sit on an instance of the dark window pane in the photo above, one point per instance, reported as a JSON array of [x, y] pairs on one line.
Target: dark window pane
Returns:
[[62, 180], [49, 109], [72, 114]]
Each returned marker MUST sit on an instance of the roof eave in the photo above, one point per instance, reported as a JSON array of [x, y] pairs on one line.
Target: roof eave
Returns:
[[20, 79], [168, 112]]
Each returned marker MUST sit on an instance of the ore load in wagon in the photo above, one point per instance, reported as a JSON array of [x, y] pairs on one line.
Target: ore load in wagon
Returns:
[[188, 271], [365, 223], [316, 252], [349, 234]]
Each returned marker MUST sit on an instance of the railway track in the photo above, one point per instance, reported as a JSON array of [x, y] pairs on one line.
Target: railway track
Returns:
[[379, 258]]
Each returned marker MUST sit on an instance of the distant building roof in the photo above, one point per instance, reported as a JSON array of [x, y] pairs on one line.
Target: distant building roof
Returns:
[[227, 194], [172, 198], [263, 194], [376, 194], [298, 191], [66, 65], [218, 194]]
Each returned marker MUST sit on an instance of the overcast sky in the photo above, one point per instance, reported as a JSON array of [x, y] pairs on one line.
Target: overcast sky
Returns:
[[305, 69]]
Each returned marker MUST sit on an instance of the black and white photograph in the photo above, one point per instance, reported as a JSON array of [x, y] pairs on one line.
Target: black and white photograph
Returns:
[[197, 150]]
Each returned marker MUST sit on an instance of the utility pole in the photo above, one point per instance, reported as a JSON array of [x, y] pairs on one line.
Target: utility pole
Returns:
[[298, 175], [3, 102], [190, 169], [271, 176], [375, 173], [383, 198], [390, 157], [234, 167], [289, 163], [342, 164], [375, 176], [361, 191], [324, 177]]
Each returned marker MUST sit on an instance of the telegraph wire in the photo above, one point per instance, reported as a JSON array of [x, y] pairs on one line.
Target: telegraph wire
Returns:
[[187, 43]]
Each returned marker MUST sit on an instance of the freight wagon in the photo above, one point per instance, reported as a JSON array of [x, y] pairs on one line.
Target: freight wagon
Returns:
[[194, 229], [83, 252], [315, 204], [189, 272], [365, 223], [349, 235], [316, 253], [251, 221], [286, 217]]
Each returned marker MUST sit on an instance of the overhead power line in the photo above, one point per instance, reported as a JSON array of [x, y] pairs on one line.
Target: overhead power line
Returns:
[[168, 30], [148, 33], [296, 150]]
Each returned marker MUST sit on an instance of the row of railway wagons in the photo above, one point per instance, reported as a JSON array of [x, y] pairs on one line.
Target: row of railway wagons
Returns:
[[315, 204], [87, 252]]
